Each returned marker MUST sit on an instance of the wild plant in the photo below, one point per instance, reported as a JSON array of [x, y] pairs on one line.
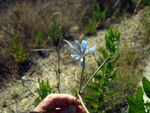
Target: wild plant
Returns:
[[43, 90], [83, 51], [90, 28], [145, 38], [137, 104], [129, 5], [54, 33], [39, 39], [99, 88], [18, 52], [98, 16], [145, 2]]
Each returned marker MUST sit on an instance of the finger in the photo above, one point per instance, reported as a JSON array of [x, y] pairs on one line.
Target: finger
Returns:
[[79, 109], [53, 101], [69, 109], [59, 100], [72, 109]]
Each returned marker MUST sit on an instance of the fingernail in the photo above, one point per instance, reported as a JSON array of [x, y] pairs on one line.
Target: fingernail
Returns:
[[71, 108]]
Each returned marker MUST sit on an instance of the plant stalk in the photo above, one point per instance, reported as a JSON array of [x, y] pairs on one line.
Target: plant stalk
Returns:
[[95, 73], [58, 51]]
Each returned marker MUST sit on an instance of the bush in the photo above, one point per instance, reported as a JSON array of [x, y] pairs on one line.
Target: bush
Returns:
[[145, 2], [43, 90], [90, 28], [98, 16], [39, 39], [18, 52], [137, 104], [100, 89], [128, 5], [54, 33]]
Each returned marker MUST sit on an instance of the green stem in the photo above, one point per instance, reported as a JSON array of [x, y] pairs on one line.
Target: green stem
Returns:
[[58, 52], [82, 103], [80, 82], [58, 71], [81, 79]]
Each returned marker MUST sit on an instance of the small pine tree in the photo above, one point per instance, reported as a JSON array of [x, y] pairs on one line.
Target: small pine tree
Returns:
[[90, 28], [18, 52], [54, 33], [39, 39]]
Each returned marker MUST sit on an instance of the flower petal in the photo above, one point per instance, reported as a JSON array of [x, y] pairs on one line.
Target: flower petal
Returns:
[[76, 56], [84, 44], [91, 49], [78, 45], [82, 62], [72, 47]]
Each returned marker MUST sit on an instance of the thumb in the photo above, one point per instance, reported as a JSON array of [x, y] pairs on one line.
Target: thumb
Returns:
[[69, 109]]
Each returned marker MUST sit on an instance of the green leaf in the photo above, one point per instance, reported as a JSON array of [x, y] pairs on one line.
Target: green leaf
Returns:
[[129, 110], [94, 104], [116, 58], [93, 87], [98, 84], [96, 93], [40, 93], [75, 90], [132, 98], [98, 63], [146, 86], [114, 76], [147, 104], [108, 40], [98, 76], [104, 53], [89, 98], [139, 96], [134, 107], [116, 67]]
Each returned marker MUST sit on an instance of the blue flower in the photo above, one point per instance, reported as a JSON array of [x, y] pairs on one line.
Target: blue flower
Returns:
[[81, 53]]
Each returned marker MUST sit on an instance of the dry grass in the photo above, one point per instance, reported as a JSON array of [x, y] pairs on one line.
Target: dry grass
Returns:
[[129, 74], [145, 38], [25, 19]]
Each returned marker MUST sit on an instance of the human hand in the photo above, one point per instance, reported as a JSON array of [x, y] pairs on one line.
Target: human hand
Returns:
[[57, 101]]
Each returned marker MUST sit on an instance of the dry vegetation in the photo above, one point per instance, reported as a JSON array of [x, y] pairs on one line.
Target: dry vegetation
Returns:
[[25, 19]]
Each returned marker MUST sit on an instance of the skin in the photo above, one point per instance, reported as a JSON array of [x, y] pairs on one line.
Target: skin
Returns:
[[63, 101]]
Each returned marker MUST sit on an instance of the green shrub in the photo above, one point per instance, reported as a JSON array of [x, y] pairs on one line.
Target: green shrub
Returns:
[[90, 28], [128, 5], [54, 33], [20, 56], [100, 89], [98, 16], [44, 90], [146, 2], [18, 52], [137, 104], [39, 39]]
